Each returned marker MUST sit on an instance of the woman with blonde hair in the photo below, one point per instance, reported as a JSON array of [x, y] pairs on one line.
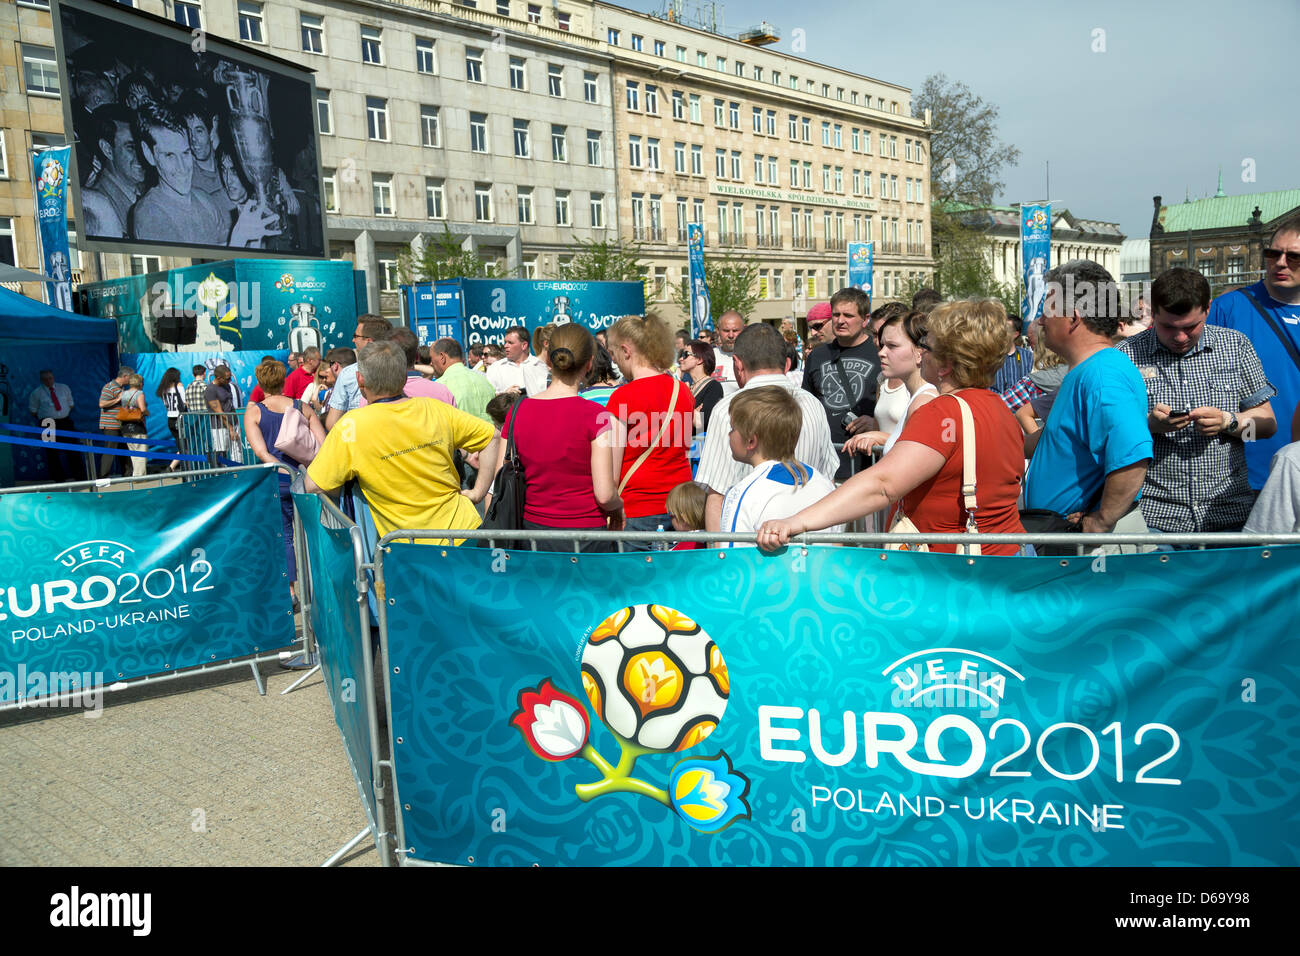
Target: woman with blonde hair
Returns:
[[963, 347], [564, 443], [133, 401], [653, 417]]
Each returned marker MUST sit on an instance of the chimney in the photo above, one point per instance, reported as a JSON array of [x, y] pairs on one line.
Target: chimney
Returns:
[[1156, 228]]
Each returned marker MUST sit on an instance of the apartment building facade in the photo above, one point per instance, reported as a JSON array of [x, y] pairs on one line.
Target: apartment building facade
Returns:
[[780, 159], [520, 127]]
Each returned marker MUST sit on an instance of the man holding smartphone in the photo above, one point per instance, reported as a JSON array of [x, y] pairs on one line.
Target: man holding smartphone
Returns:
[[1207, 395]]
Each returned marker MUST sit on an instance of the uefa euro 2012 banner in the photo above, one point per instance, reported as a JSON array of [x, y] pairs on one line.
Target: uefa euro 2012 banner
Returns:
[[845, 707], [122, 584]]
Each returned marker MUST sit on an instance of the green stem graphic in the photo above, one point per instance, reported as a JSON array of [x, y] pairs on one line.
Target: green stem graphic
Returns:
[[618, 779]]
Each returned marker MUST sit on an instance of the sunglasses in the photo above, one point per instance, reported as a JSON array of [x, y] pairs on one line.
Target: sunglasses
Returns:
[[923, 343], [816, 326], [683, 355], [1292, 258]]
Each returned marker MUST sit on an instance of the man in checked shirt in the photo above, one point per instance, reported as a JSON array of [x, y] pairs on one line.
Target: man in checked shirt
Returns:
[[1207, 394]]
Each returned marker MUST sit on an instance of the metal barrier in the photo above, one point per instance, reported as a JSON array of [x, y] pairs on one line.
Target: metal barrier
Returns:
[[129, 484], [382, 548], [331, 656], [217, 436]]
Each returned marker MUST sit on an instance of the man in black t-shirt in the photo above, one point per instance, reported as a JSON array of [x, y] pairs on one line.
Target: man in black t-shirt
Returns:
[[844, 373]]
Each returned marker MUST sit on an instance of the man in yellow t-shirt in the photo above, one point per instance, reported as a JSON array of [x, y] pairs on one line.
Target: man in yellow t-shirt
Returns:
[[402, 450]]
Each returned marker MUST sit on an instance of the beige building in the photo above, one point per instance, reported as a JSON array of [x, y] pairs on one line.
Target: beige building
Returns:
[[781, 159], [521, 127]]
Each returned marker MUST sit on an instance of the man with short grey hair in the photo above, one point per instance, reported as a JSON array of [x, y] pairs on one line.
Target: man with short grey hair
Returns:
[[1089, 460], [402, 451]]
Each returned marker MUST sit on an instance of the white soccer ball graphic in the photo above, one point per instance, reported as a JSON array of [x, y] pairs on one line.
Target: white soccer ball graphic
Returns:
[[655, 678]]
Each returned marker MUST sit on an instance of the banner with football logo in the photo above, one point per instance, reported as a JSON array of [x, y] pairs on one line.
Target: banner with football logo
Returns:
[[861, 255], [130, 583], [844, 707], [1035, 258], [50, 174], [701, 310]]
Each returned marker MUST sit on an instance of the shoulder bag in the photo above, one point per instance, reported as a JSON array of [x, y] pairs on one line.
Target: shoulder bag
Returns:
[[903, 524], [127, 410], [672, 410], [295, 438], [506, 512]]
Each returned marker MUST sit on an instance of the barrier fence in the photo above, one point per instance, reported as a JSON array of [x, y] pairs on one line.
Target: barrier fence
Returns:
[[828, 705], [333, 583], [116, 584], [215, 437]]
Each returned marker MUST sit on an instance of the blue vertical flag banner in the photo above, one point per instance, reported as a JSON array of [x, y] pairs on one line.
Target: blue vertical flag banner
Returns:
[[861, 260], [837, 709], [701, 311], [1035, 258], [50, 173]]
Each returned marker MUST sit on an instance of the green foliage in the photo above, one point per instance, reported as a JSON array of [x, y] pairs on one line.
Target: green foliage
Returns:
[[443, 258], [733, 285], [966, 156], [962, 266], [605, 262]]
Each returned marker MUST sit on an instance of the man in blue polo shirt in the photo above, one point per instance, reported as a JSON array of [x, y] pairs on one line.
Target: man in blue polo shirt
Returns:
[[1090, 458], [1268, 313]]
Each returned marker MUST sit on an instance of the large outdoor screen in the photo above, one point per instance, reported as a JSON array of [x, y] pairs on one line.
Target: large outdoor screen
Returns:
[[186, 145]]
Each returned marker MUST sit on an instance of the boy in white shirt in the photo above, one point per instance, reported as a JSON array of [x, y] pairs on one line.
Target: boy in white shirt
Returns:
[[765, 424]]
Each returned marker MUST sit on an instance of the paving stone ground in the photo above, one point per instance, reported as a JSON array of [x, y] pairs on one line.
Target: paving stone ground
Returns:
[[268, 774]]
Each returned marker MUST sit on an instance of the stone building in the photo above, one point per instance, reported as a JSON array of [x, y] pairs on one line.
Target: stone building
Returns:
[[1223, 236]]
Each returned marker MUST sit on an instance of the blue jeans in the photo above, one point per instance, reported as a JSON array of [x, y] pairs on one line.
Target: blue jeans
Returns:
[[647, 523]]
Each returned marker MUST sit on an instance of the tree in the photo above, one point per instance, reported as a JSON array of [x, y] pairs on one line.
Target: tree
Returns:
[[733, 285], [962, 266], [441, 257], [605, 261], [966, 156]]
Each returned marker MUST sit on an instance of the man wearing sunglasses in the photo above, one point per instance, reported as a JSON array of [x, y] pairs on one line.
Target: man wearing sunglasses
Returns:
[[1268, 313]]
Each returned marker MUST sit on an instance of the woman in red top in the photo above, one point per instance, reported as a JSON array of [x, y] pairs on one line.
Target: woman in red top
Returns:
[[963, 348], [648, 418], [565, 445]]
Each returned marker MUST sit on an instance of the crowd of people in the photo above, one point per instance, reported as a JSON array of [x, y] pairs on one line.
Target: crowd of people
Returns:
[[941, 416]]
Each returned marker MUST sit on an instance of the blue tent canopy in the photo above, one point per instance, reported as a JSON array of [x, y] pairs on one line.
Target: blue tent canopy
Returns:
[[79, 350], [25, 321]]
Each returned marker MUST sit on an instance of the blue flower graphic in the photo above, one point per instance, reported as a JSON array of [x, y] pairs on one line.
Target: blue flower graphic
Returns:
[[708, 794]]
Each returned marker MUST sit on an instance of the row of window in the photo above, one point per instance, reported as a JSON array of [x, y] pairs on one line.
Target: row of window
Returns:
[[720, 64], [435, 193], [686, 107]]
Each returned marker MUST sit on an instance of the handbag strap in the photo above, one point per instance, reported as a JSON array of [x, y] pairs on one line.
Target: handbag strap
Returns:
[[968, 465], [672, 409], [512, 453], [1272, 324]]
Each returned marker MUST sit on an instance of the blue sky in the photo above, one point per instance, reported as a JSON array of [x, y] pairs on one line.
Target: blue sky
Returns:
[[1179, 90]]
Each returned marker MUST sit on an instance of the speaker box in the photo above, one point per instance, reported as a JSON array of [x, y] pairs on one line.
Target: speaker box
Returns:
[[177, 327]]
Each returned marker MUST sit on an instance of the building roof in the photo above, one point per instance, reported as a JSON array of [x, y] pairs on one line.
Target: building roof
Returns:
[[1007, 218], [1225, 212]]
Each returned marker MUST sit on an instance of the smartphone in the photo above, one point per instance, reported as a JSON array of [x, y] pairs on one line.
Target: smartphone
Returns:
[[1181, 412]]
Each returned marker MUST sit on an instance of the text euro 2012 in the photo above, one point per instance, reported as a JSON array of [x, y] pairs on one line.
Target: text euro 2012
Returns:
[[956, 747]]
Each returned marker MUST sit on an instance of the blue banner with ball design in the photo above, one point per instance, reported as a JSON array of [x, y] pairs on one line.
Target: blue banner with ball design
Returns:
[[107, 586], [844, 707]]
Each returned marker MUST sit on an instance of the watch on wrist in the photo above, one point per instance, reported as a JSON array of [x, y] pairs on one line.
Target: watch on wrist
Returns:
[[1232, 426]]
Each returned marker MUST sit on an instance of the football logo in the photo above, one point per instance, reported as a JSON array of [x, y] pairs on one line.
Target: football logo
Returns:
[[658, 682]]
